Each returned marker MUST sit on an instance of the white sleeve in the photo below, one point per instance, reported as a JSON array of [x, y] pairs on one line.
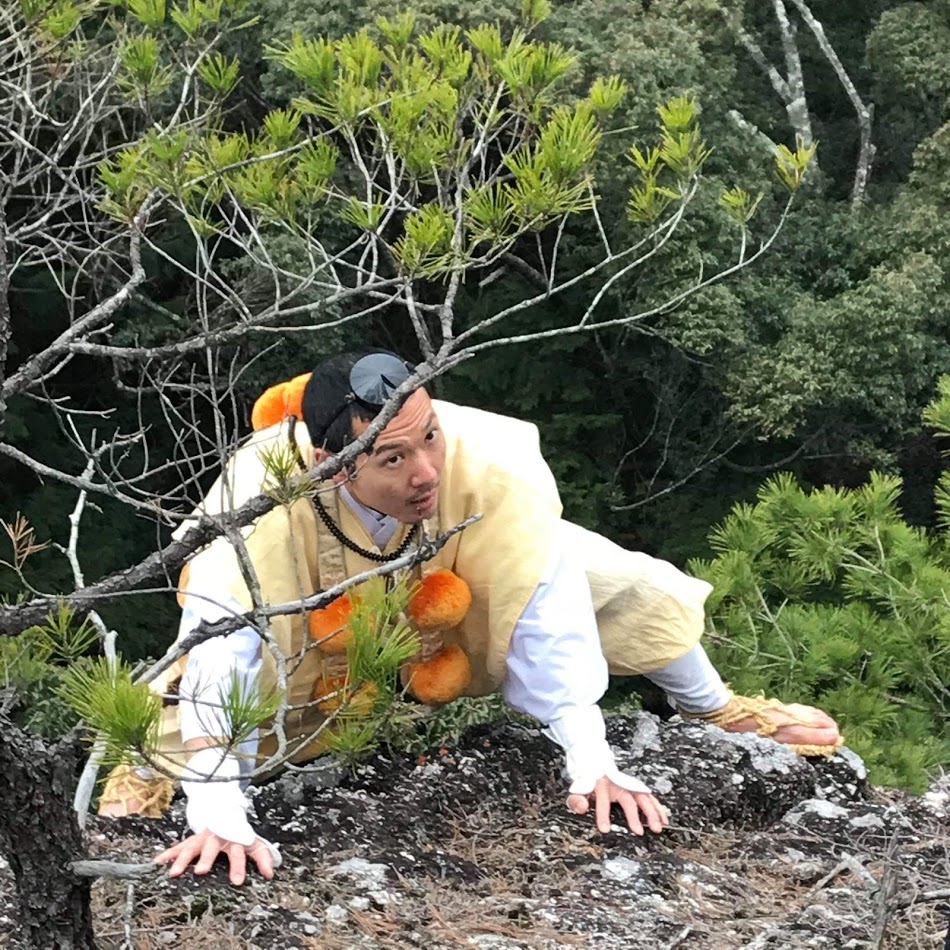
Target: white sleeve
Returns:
[[212, 781], [556, 671], [216, 802], [211, 666], [554, 659]]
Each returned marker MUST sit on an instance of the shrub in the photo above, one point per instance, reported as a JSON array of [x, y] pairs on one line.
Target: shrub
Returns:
[[828, 596]]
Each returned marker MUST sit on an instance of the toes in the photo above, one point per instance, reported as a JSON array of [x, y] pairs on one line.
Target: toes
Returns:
[[804, 735], [816, 718], [819, 729], [795, 715], [796, 725]]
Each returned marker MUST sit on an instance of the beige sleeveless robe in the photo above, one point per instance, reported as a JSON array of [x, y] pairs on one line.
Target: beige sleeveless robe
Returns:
[[648, 612]]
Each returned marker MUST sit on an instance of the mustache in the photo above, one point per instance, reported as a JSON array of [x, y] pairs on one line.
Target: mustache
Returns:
[[421, 495]]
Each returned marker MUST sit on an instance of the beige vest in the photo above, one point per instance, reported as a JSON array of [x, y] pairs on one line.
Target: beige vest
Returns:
[[648, 612]]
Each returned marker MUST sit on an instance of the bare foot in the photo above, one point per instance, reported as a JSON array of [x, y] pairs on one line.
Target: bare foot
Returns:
[[797, 725], [120, 809]]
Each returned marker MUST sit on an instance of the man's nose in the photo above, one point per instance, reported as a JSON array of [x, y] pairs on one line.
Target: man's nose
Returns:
[[425, 472]]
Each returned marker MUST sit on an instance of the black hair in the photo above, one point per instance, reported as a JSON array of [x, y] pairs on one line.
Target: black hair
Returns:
[[329, 409]]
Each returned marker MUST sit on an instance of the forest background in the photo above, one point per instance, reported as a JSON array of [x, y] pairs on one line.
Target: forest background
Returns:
[[818, 361]]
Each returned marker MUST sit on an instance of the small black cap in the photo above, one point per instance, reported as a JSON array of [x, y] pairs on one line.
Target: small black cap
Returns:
[[334, 386]]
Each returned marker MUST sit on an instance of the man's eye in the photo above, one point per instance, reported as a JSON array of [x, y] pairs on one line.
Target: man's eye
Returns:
[[431, 435], [393, 459]]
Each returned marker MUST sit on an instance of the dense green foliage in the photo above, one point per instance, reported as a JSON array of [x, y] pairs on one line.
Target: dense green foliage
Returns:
[[745, 369], [829, 596], [34, 667], [818, 361], [823, 355]]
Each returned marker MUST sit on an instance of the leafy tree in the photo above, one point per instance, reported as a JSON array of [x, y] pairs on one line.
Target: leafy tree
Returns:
[[411, 164], [33, 666], [908, 52], [416, 189]]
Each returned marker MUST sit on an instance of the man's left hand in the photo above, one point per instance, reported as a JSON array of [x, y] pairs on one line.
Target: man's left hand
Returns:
[[634, 805]]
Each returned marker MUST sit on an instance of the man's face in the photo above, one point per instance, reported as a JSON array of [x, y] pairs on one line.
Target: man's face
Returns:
[[400, 475]]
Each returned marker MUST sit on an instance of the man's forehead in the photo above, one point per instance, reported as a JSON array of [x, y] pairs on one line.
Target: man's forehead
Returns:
[[407, 430], [415, 418]]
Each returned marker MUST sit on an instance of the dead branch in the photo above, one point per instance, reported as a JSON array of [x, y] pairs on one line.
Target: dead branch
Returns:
[[790, 88], [114, 870], [169, 561], [924, 898], [863, 111]]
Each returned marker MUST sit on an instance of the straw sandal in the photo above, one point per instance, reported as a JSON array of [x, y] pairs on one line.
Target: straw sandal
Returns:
[[125, 785], [761, 710]]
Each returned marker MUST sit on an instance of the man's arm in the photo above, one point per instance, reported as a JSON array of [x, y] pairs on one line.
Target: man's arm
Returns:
[[217, 810], [285, 551], [557, 673], [217, 814]]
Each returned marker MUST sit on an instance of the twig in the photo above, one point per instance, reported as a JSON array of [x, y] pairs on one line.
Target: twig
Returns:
[[863, 111], [129, 914], [34, 367], [924, 898], [87, 780], [679, 939], [114, 870], [847, 863], [883, 907], [15, 618]]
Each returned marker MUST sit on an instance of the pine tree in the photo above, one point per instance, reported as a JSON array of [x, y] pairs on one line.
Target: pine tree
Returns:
[[828, 596]]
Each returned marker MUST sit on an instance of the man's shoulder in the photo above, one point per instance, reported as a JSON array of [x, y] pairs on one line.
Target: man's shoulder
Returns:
[[485, 447], [246, 472], [494, 466], [471, 426]]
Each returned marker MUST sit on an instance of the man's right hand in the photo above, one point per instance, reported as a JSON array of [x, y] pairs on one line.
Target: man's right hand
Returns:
[[634, 804], [205, 847]]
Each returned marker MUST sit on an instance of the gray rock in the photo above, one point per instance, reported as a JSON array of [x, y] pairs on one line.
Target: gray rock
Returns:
[[476, 841], [621, 869], [815, 806]]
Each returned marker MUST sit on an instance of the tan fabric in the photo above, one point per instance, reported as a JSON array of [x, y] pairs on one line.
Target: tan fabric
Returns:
[[648, 612]]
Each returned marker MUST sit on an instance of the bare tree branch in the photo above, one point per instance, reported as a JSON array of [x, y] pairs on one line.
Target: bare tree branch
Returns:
[[790, 87], [863, 111], [34, 368]]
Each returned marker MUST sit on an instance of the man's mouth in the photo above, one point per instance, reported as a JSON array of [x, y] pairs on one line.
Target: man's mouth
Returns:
[[426, 499]]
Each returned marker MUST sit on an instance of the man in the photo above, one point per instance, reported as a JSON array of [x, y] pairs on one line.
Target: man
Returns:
[[554, 607]]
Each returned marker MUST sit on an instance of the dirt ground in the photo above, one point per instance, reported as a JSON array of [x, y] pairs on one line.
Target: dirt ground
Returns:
[[472, 847]]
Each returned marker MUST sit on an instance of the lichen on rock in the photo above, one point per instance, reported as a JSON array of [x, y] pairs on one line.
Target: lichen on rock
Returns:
[[473, 846]]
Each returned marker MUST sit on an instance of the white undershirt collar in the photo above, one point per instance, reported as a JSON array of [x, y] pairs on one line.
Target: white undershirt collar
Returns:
[[381, 527]]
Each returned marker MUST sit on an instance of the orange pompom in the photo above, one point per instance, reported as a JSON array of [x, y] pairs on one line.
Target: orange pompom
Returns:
[[331, 693], [183, 584], [278, 402], [441, 678], [293, 395], [269, 408], [442, 601], [329, 626]]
